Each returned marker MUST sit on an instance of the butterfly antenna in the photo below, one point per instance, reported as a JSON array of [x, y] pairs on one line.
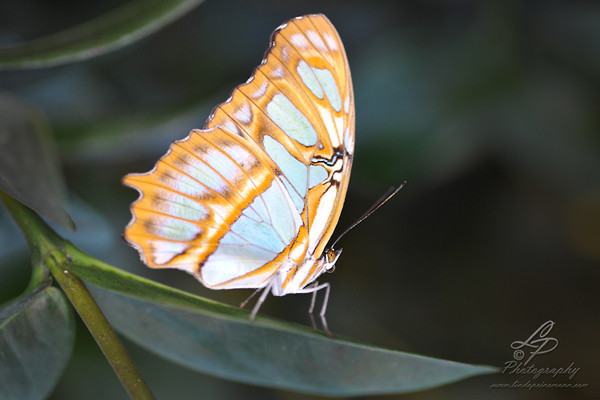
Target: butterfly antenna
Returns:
[[388, 195]]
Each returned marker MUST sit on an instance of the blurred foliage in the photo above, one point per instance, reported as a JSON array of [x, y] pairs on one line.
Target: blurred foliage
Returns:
[[489, 110], [28, 151], [36, 330], [111, 31]]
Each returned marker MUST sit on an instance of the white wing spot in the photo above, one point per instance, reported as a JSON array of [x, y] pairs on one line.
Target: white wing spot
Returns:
[[331, 42], [316, 40], [242, 157], [231, 127], [184, 184], [164, 251], [260, 91], [348, 141], [347, 104], [243, 114], [179, 206], [285, 54], [197, 172], [277, 72], [224, 165], [174, 229], [299, 40]]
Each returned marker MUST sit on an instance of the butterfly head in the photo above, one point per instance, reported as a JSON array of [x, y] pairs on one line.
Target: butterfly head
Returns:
[[330, 257]]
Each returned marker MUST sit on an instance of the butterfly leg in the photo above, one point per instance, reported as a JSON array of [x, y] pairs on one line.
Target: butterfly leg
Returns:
[[324, 309], [314, 289], [313, 299], [243, 304], [260, 300]]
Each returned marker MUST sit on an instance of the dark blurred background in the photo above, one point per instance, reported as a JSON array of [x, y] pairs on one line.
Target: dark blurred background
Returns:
[[488, 109]]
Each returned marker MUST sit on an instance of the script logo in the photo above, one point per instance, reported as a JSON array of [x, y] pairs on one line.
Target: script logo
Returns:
[[527, 375], [538, 343]]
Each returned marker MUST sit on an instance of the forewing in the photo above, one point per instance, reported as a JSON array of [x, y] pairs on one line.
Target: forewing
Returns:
[[298, 106]]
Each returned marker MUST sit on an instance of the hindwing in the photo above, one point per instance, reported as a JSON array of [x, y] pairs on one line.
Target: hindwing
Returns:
[[264, 182]]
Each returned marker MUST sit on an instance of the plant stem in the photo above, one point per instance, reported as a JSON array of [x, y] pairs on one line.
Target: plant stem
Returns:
[[48, 250], [99, 327]]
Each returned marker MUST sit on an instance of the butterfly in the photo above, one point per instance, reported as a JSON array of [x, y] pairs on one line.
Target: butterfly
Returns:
[[251, 200]]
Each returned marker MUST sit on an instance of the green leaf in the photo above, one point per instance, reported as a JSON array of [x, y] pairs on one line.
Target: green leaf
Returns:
[[220, 340], [121, 27], [37, 333], [29, 166]]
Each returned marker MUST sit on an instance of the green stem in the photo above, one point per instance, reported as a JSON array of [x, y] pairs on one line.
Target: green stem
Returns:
[[48, 251]]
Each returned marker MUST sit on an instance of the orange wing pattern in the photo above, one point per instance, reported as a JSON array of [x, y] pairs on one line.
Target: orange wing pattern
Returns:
[[252, 199]]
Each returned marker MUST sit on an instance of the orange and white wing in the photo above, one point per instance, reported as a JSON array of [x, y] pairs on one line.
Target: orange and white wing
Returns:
[[263, 184]]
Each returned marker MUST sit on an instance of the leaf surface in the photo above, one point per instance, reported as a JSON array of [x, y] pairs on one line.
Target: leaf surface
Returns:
[[37, 334]]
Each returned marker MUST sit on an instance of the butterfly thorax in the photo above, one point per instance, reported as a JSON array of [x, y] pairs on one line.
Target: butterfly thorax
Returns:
[[293, 277]]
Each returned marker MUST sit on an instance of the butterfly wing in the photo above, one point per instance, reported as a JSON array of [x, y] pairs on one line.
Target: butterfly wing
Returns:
[[264, 183]]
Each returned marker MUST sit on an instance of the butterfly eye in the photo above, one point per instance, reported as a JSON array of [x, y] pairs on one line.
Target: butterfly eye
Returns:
[[331, 256]]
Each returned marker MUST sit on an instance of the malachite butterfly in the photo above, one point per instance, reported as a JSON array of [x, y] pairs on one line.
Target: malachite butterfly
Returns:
[[251, 200]]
